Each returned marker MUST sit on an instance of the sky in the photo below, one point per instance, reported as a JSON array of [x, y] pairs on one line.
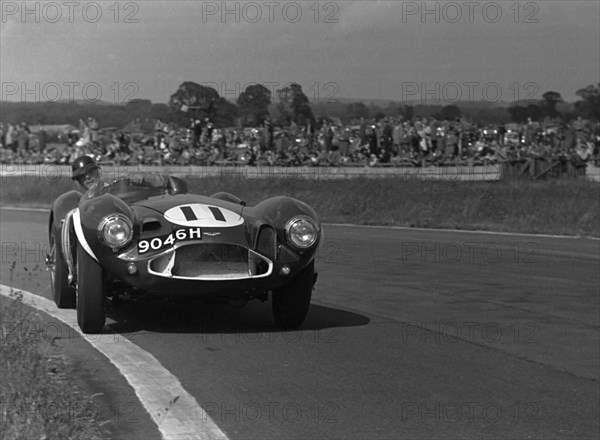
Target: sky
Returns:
[[392, 50]]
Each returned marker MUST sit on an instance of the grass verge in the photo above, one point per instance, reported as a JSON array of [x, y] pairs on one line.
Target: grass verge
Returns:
[[565, 207], [37, 400]]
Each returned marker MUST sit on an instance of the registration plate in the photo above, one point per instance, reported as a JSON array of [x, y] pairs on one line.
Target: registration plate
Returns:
[[158, 243]]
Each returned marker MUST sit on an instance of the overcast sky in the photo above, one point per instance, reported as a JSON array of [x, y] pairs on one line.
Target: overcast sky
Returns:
[[363, 49]]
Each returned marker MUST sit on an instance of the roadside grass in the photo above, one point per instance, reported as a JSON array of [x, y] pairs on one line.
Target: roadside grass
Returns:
[[566, 207], [569, 207], [37, 399]]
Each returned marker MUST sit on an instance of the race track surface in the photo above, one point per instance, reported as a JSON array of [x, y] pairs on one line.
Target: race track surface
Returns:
[[412, 334]]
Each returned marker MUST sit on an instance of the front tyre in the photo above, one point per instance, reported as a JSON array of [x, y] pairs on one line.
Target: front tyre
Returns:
[[91, 293], [291, 302], [63, 294]]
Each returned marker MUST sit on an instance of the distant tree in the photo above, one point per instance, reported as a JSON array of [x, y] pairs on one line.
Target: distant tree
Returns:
[[224, 113], [492, 115], [161, 111], [357, 110], [450, 112], [254, 104], [589, 105], [407, 112], [427, 110], [566, 110], [392, 109], [518, 114], [294, 105], [139, 103], [549, 102], [279, 114], [534, 112], [139, 108], [193, 100], [379, 115], [332, 109]]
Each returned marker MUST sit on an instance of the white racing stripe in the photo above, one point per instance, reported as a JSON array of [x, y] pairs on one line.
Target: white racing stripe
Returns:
[[175, 412]]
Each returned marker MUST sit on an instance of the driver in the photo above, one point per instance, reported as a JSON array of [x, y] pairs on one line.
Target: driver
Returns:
[[86, 171]]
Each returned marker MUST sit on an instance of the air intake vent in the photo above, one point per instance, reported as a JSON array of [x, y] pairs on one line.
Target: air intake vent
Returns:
[[266, 243], [151, 225], [211, 261]]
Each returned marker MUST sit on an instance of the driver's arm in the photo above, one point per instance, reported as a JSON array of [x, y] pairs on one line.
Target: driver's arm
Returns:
[[153, 180]]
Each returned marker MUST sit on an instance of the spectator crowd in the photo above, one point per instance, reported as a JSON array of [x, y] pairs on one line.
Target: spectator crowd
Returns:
[[421, 141]]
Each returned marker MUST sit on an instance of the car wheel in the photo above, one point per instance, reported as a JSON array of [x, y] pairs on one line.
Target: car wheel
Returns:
[[64, 295], [91, 293], [291, 302]]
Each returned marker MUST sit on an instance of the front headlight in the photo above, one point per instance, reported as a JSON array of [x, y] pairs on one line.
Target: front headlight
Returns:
[[115, 230], [302, 232]]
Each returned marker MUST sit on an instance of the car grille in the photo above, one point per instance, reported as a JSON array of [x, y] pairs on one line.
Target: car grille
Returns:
[[210, 261]]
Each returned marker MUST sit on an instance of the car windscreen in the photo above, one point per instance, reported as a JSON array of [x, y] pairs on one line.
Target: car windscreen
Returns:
[[130, 188]]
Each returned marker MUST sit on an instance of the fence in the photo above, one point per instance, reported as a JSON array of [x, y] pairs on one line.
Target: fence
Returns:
[[532, 169]]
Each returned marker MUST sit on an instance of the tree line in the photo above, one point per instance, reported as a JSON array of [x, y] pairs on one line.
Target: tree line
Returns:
[[290, 104]]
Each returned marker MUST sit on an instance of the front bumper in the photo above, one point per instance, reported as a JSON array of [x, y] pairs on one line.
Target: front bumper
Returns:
[[205, 268]]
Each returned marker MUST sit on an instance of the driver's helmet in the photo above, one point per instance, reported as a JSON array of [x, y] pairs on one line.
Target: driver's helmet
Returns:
[[82, 165]]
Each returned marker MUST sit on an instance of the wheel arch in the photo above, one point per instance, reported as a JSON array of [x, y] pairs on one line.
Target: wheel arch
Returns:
[[59, 211], [278, 210], [63, 205]]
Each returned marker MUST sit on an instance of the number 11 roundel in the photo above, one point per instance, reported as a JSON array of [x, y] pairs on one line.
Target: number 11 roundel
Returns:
[[197, 214]]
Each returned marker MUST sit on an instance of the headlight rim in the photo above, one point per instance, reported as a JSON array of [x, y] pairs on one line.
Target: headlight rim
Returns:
[[111, 218], [296, 219]]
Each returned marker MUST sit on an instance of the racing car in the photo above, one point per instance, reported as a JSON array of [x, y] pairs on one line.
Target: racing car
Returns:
[[154, 237]]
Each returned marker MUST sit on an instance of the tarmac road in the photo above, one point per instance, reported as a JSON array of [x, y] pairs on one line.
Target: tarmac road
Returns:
[[412, 334]]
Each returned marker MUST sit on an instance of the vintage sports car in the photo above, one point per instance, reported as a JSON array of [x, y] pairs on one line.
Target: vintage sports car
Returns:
[[153, 237]]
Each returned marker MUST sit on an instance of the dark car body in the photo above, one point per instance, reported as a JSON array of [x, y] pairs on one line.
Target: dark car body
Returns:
[[180, 244]]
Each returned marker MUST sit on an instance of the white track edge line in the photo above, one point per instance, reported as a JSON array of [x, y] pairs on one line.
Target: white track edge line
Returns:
[[464, 231], [175, 412]]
